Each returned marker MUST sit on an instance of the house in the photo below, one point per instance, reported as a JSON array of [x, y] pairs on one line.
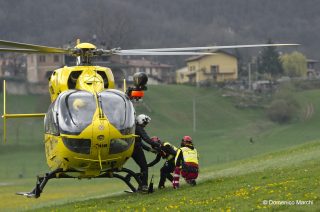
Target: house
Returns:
[[124, 67], [156, 71], [182, 76], [311, 68], [219, 67], [12, 66], [13, 70], [39, 69], [40, 66]]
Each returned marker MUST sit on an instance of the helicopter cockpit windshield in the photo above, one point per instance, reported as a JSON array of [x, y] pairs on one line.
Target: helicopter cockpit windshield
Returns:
[[76, 109], [118, 109]]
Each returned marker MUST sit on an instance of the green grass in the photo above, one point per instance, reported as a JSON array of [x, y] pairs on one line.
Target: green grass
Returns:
[[222, 137], [223, 131], [292, 175]]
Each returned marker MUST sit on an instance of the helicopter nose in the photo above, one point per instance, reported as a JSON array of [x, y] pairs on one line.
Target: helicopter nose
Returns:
[[100, 137], [101, 131]]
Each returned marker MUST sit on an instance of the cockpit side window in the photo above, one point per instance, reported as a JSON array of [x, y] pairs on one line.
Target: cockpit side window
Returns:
[[50, 121], [76, 110]]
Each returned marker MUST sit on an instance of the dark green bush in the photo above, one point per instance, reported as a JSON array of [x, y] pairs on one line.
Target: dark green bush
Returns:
[[279, 111], [284, 107]]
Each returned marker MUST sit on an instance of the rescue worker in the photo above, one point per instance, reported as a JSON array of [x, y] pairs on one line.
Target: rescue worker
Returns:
[[186, 163], [138, 154], [168, 152]]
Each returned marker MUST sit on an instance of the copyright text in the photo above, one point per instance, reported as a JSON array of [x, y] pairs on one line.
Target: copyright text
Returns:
[[287, 202]]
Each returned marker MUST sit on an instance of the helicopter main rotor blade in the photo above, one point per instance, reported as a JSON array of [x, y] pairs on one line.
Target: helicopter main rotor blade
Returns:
[[125, 52], [18, 50], [40, 49], [210, 47]]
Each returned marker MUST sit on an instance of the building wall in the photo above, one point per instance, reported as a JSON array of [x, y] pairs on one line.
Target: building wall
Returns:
[[181, 76], [225, 65], [38, 65], [32, 73]]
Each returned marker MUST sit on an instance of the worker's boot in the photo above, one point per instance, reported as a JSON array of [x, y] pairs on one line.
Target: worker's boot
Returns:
[[192, 182]]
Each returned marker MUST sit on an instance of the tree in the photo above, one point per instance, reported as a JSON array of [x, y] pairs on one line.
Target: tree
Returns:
[[242, 72], [294, 64], [269, 62], [112, 25]]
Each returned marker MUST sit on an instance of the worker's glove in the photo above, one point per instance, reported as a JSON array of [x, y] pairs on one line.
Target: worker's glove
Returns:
[[156, 145]]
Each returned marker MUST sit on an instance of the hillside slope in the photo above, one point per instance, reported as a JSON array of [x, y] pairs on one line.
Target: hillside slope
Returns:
[[222, 136], [222, 132]]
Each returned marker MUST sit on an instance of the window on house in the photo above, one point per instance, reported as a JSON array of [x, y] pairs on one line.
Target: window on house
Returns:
[[310, 65], [42, 58], [154, 71], [56, 58], [31, 59], [214, 71]]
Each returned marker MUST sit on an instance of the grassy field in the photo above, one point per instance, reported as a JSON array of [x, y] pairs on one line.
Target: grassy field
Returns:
[[222, 136], [286, 180]]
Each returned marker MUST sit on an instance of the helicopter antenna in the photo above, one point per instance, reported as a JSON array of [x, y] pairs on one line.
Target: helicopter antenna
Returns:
[[78, 58], [124, 85]]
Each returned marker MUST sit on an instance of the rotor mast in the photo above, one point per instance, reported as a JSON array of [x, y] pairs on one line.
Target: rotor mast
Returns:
[[84, 53]]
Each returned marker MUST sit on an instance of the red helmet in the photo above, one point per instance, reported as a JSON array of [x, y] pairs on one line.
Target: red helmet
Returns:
[[186, 141], [187, 138]]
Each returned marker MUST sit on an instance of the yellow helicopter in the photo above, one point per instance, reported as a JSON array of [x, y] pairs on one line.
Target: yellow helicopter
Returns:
[[89, 126]]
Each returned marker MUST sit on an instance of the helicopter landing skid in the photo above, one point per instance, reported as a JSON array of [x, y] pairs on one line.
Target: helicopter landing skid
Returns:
[[41, 183], [126, 179]]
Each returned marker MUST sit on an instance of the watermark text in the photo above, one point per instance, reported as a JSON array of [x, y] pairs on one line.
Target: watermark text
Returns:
[[287, 202]]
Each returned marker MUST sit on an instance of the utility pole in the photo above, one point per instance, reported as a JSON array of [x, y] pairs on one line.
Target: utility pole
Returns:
[[194, 113], [249, 76]]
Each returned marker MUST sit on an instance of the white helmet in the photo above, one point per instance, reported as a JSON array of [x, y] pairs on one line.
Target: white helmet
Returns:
[[143, 119]]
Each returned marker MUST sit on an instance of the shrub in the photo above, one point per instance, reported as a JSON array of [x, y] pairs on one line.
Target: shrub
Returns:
[[284, 106], [282, 110]]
